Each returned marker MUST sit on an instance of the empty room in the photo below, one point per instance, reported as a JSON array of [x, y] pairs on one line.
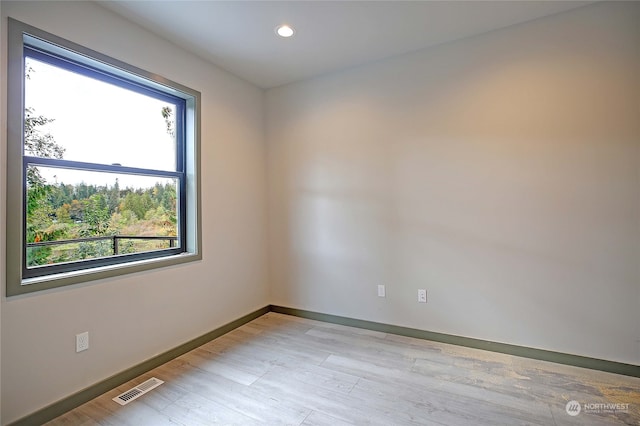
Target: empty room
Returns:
[[320, 213]]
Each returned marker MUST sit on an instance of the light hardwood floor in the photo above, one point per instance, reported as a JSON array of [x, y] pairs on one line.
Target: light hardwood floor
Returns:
[[284, 370]]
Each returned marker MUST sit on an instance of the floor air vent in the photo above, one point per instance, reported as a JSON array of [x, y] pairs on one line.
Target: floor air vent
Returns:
[[141, 389]]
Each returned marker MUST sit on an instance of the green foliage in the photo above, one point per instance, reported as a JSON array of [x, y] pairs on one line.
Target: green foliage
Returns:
[[63, 215], [92, 249], [66, 212], [76, 210], [103, 211], [96, 214], [113, 197], [167, 112], [38, 144], [42, 255], [37, 190], [137, 203]]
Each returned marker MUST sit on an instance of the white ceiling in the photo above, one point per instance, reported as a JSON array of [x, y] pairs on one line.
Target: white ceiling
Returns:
[[239, 36]]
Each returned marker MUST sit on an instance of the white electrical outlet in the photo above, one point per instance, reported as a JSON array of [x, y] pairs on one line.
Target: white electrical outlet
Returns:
[[422, 295], [82, 341], [381, 291]]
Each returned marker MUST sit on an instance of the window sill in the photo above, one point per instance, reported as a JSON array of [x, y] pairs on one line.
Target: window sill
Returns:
[[76, 277]]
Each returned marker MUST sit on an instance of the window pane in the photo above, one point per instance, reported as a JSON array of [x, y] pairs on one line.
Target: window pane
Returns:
[[94, 121], [91, 211]]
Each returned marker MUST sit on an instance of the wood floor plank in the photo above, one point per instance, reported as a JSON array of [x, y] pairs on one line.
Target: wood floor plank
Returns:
[[194, 410], [321, 419], [345, 407], [73, 418], [443, 406], [283, 370], [108, 413], [241, 398], [204, 361]]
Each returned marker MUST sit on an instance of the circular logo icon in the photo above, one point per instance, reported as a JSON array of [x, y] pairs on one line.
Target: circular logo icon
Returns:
[[573, 408]]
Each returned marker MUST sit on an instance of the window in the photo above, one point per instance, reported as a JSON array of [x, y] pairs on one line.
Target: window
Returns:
[[102, 165]]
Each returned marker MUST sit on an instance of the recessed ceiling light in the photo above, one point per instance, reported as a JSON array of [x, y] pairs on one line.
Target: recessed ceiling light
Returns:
[[285, 30]]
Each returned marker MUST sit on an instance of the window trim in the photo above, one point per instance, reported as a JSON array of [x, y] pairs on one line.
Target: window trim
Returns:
[[16, 282]]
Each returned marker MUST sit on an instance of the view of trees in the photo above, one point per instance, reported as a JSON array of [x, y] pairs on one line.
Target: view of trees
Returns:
[[68, 212], [59, 211]]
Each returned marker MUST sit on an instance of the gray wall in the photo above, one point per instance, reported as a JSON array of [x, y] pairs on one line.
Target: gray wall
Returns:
[[500, 172], [170, 306], [3, 198]]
